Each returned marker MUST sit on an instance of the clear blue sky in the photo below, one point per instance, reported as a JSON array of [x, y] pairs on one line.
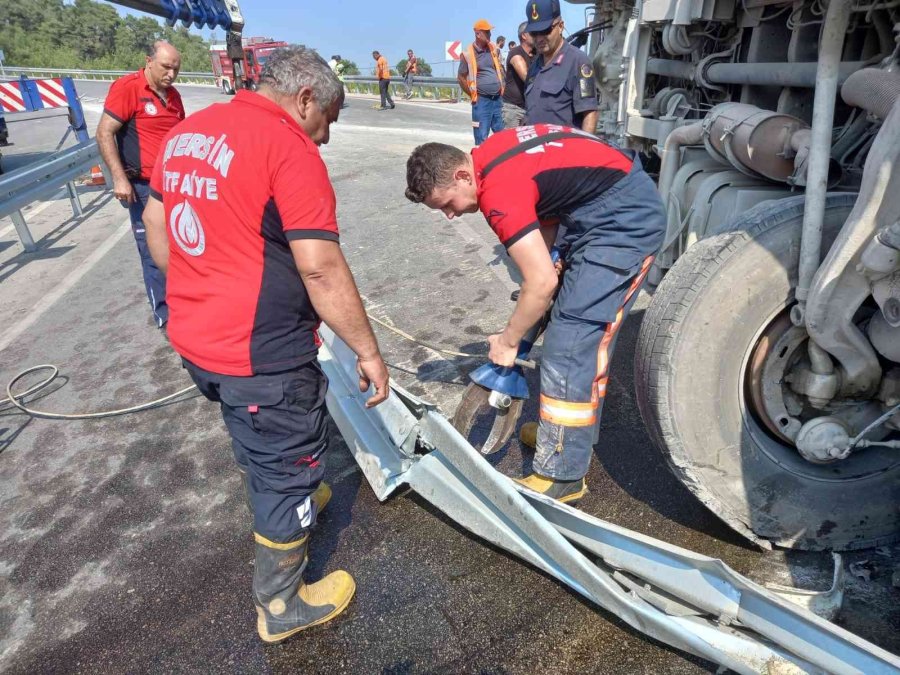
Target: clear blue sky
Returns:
[[353, 28]]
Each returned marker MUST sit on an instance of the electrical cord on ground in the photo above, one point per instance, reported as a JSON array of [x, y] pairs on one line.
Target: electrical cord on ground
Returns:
[[449, 352], [13, 399], [16, 399], [407, 336]]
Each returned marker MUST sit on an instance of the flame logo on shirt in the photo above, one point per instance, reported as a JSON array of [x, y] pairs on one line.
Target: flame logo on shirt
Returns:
[[534, 12], [187, 230]]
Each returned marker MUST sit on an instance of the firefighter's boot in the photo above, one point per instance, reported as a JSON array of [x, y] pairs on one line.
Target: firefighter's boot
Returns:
[[528, 434], [321, 496], [284, 603], [561, 490]]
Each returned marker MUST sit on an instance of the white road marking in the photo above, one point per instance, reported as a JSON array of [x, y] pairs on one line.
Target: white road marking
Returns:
[[464, 135], [67, 283]]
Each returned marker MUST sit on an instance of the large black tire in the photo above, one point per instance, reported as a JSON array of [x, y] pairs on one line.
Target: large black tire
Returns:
[[693, 348]]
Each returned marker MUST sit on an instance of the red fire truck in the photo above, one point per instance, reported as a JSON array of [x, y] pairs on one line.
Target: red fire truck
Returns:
[[256, 51]]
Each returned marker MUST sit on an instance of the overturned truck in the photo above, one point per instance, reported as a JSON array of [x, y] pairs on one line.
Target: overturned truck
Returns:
[[768, 363]]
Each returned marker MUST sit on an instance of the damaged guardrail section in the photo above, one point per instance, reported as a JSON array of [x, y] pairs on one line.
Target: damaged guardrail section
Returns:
[[689, 601]]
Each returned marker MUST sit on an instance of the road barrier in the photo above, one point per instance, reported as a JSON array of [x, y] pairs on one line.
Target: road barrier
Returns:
[[101, 75], [42, 180], [434, 88]]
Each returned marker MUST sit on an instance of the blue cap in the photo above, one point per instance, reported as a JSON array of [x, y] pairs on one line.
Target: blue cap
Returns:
[[540, 14]]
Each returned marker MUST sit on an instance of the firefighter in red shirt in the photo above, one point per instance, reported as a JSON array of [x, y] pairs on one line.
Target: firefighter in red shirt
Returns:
[[242, 218], [527, 182], [140, 109]]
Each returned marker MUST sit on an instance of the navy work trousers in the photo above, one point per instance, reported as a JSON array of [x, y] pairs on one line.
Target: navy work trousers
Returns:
[[154, 279], [279, 437], [612, 242], [487, 116]]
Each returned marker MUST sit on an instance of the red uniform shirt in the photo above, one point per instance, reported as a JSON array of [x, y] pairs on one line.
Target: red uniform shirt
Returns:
[[544, 181], [145, 118], [239, 181]]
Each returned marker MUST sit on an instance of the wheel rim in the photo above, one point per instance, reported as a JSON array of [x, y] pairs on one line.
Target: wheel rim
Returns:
[[771, 353]]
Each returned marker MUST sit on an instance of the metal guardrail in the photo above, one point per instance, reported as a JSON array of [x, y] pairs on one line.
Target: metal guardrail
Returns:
[[684, 599], [101, 75], [434, 88], [41, 180]]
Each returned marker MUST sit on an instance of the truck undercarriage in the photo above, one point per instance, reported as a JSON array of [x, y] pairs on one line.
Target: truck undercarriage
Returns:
[[768, 366]]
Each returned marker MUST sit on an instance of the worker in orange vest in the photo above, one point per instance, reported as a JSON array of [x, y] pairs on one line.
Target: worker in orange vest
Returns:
[[383, 73], [412, 69], [481, 77]]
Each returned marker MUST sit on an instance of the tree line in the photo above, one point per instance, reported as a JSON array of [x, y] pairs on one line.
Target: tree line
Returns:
[[88, 35]]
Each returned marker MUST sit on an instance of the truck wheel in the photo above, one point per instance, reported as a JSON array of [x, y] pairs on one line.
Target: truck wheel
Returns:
[[712, 322], [227, 88]]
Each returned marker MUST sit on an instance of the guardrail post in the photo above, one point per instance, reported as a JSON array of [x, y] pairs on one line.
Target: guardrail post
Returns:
[[74, 200], [22, 230], [79, 125]]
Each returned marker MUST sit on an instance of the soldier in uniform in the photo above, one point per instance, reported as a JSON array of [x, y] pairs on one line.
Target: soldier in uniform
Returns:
[[560, 87]]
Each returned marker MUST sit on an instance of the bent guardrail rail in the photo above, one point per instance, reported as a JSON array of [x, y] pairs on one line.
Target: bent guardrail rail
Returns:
[[43, 179], [687, 600]]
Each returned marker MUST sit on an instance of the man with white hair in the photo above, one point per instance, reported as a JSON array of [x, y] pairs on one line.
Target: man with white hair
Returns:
[[242, 219]]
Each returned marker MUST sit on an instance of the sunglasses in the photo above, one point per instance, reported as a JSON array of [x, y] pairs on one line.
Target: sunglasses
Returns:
[[546, 31]]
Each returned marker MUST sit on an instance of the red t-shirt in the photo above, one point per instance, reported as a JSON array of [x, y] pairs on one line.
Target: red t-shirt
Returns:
[[239, 181], [145, 118], [542, 182]]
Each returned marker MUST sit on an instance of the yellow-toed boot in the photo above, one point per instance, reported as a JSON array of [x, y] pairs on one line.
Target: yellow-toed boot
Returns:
[[285, 605], [528, 434], [560, 490]]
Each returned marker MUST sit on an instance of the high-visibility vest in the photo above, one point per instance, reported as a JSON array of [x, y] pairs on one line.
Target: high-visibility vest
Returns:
[[382, 69], [472, 64]]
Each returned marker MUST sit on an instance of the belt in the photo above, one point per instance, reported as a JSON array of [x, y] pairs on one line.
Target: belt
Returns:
[[493, 97]]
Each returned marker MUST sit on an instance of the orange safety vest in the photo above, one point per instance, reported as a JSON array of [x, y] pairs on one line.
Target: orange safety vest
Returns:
[[414, 69], [472, 64], [382, 68]]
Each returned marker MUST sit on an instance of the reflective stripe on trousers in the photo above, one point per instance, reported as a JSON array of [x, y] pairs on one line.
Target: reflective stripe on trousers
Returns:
[[574, 376]]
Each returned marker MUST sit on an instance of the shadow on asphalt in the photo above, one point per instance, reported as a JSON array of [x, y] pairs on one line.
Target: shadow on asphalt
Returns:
[[45, 250], [333, 521]]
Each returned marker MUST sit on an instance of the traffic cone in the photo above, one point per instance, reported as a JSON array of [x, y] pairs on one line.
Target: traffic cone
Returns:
[[96, 176]]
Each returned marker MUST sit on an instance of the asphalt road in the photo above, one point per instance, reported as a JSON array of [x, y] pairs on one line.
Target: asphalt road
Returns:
[[124, 542]]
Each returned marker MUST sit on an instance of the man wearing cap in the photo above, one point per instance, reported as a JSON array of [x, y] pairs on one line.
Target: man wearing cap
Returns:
[[560, 88], [481, 76]]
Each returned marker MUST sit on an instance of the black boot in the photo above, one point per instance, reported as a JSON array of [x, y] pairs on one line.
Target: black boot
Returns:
[[284, 603]]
